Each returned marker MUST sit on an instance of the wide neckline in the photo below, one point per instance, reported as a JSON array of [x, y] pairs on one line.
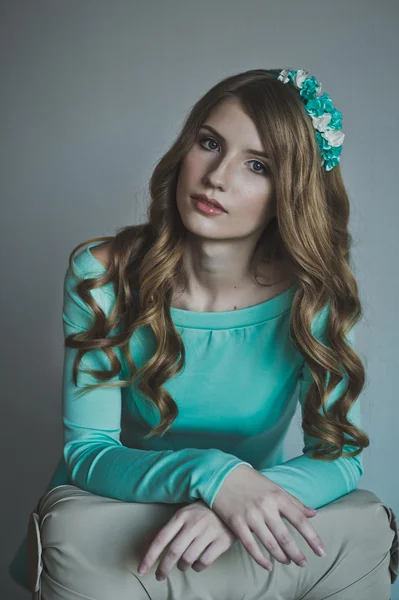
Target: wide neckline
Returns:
[[242, 317]]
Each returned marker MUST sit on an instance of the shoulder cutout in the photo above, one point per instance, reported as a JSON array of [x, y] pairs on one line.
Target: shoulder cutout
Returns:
[[101, 253]]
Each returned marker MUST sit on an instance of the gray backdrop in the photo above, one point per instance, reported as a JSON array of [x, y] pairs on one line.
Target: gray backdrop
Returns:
[[92, 94]]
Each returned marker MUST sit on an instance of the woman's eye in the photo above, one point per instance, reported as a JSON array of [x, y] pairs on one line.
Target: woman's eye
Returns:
[[205, 139], [261, 164]]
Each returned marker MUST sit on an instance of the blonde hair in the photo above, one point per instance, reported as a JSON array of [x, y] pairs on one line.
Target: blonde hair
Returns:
[[310, 228]]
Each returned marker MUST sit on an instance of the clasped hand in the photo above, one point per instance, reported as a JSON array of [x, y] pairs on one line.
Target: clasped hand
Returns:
[[246, 503]]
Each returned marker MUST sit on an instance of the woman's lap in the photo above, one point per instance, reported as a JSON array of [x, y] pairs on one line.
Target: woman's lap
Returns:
[[81, 545]]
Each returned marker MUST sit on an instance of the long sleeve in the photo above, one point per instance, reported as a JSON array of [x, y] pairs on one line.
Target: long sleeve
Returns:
[[314, 482], [95, 458]]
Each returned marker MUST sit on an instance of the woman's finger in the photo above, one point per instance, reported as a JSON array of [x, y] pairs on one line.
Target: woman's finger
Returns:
[[159, 543], [270, 543], [180, 545], [306, 509], [283, 537], [250, 544], [195, 551], [210, 554], [301, 523]]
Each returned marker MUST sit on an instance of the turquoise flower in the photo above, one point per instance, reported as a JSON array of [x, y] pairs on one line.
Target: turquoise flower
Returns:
[[336, 119], [310, 88], [326, 119], [315, 106]]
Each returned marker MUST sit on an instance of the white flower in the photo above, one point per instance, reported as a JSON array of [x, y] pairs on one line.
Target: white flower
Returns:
[[300, 77], [321, 122], [334, 137], [283, 76]]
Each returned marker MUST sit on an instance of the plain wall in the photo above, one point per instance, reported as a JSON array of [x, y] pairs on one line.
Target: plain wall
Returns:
[[92, 94]]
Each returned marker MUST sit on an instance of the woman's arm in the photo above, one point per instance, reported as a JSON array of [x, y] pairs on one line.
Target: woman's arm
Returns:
[[315, 482], [95, 458]]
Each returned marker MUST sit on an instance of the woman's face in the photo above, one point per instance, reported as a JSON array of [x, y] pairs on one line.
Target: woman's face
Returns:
[[220, 166]]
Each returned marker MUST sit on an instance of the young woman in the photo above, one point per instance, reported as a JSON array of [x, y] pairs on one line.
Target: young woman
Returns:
[[189, 341]]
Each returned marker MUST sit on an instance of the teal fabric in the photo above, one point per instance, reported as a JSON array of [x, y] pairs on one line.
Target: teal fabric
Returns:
[[236, 397]]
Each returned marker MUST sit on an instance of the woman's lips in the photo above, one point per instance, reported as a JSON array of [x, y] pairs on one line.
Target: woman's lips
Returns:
[[212, 201], [206, 208]]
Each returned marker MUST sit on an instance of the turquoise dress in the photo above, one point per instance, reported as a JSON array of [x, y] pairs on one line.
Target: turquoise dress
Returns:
[[236, 397]]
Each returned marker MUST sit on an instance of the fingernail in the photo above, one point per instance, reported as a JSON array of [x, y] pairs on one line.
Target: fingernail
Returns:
[[302, 563], [160, 577], [142, 569], [320, 551]]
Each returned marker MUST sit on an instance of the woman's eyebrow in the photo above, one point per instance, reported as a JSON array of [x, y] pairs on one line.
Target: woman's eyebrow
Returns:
[[248, 150]]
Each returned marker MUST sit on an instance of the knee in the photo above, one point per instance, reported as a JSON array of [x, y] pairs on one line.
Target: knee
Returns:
[[381, 520], [58, 511], [377, 527], [71, 536], [40, 516], [59, 496]]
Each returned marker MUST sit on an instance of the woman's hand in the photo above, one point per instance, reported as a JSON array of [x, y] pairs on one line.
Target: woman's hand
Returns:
[[248, 501], [197, 536]]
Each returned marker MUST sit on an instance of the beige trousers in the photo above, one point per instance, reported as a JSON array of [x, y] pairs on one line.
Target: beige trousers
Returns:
[[81, 545]]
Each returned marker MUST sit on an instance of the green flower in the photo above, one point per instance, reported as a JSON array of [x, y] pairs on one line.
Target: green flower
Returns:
[[315, 106], [336, 119], [329, 134], [310, 88]]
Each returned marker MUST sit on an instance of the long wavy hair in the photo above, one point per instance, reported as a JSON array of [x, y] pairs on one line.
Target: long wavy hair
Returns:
[[310, 228]]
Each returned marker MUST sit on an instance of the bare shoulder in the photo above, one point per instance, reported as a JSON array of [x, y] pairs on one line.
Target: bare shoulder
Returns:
[[102, 253]]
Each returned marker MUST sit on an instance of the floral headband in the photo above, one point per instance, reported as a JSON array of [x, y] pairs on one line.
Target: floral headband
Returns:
[[327, 120]]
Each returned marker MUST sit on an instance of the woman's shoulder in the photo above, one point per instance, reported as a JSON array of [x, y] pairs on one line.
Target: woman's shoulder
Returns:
[[102, 253], [88, 263], [93, 259]]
